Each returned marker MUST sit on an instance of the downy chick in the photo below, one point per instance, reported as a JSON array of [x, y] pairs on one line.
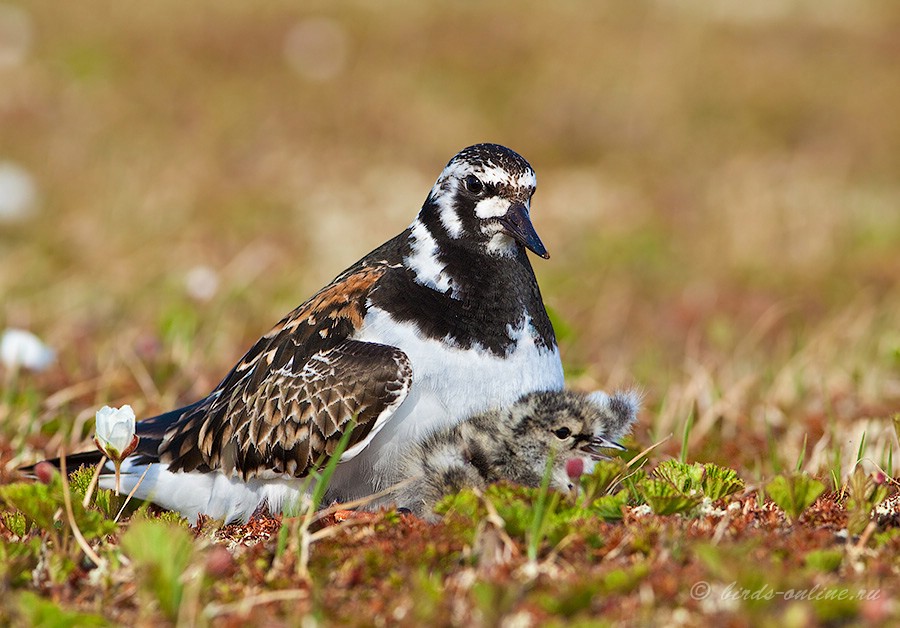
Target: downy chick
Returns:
[[514, 444]]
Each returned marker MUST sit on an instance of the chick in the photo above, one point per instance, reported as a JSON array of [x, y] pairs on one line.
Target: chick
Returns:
[[514, 444]]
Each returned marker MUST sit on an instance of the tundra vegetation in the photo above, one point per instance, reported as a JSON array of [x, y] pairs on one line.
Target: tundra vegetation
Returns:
[[717, 187]]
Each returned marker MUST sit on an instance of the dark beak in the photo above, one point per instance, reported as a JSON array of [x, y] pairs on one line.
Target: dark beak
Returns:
[[596, 444], [517, 224]]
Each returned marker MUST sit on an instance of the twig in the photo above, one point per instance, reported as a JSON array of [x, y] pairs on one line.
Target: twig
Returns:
[[887, 474], [509, 549], [866, 535], [67, 499], [93, 485], [61, 397], [133, 491], [329, 531], [245, 605], [642, 455], [189, 608], [564, 542], [306, 538], [497, 521], [721, 528], [628, 537], [362, 501]]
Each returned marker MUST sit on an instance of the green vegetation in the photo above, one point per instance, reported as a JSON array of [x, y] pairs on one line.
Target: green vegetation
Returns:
[[794, 493], [160, 554], [718, 191], [864, 493], [514, 538]]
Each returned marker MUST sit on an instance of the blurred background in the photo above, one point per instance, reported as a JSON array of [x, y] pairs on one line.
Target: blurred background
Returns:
[[718, 185]]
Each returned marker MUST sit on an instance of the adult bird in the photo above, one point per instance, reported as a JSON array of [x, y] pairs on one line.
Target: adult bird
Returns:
[[439, 323]]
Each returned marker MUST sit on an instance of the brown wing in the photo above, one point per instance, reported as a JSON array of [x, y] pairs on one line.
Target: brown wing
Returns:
[[331, 316], [290, 397], [291, 420]]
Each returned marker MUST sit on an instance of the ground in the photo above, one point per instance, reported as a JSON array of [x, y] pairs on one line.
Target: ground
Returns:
[[717, 188]]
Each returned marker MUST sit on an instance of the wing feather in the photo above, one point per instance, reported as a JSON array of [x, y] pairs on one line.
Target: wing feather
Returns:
[[287, 402], [293, 420]]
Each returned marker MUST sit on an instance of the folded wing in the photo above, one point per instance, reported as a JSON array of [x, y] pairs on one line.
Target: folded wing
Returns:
[[291, 420]]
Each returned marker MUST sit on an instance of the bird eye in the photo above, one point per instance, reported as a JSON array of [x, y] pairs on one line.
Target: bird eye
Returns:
[[474, 184], [562, 433]]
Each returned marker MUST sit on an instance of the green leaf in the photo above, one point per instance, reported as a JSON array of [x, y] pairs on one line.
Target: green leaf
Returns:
[[14, 521], [601, 480], [711, 480], [160, 553], [41, 505], [323, 477], [622, 581], [686, 437], [34, 610], [101, 499], [684, 477], [720, 482], [632, 483], [666, 499], [464, 504], [835, 611], [826, 560], [863, 495], [571, 600], [38, 503], [18, 559], [542, 508], [794, 493], [609, 507], [861, 452]]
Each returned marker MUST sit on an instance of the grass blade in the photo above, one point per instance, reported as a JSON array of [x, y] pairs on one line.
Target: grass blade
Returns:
[[686, 437]]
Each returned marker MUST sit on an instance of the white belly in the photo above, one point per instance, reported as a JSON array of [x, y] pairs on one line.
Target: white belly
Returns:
[[448, 386], [211, 494]]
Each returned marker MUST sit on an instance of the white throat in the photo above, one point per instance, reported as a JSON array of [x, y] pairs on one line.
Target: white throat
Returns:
[[501, 245]]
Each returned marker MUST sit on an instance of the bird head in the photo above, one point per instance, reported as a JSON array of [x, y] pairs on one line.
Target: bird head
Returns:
[[483, 196], [570, 426]]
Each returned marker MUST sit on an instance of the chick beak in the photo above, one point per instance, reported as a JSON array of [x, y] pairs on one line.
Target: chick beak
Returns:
[[596, 444], [517, 224]]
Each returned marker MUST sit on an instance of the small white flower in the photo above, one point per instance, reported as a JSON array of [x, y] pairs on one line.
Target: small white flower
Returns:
[[22, 349], [114, 431], [642, 511], [201, 283], [114, 435], [18, 192]]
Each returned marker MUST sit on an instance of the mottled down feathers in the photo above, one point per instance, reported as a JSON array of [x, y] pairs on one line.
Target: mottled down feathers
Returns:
[[514, 444]]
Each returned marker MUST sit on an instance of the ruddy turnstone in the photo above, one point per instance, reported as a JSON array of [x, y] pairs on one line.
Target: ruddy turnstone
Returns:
[[439, 323], [514, 444]]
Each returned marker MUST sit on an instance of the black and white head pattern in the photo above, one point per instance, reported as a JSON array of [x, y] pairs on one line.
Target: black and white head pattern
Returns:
[[475, 199], [477, 212], [566, 425], [477, 190]]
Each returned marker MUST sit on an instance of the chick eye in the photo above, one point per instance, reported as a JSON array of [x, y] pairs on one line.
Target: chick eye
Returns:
[[474, 184], [562, 433]]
